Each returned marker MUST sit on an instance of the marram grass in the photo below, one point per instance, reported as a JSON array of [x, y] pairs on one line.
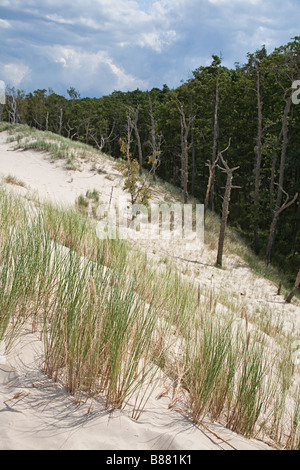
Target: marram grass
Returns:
[[112, 323]]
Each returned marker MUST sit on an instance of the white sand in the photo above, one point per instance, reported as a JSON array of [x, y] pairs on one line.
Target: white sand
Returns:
[[36, 413]]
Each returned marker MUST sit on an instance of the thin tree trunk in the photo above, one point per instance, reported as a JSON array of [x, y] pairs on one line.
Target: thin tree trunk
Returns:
[[271, 237], [211, 167], [60, 121], [47, 121], [215, 140], [225, 206], [294, 290], [257, 168], [185, 127], [193, 164], [185, 146], [278, 207], [286, 113], [225, 213], [277, 213], [295, 230], [155, 143], [185, 151], [273, 170], [135, 113]]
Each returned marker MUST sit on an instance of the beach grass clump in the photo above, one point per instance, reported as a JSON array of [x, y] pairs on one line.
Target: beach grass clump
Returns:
[[99, 337], [10, 179], [59, 147], [97, 331]]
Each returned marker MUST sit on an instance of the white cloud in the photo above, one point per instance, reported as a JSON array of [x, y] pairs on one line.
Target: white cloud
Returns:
[[14, 73], [156, 40], [125, 44], [258, 37], [234, 2], [58, 19], [4, 23], [88, 67]]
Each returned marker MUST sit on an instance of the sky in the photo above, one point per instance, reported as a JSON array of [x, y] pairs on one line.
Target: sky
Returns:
[[98, 46]]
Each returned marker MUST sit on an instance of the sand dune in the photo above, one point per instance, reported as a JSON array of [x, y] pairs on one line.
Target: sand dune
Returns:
[[36, 413]]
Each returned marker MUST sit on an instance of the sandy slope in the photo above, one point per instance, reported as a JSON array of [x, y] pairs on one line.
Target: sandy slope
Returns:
[[35, 413]]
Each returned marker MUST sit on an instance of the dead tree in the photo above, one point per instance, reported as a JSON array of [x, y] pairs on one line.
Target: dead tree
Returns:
[[61, 113], [276, 215], [211, 167], [103, 139], [294, 290], [134, 122], [47, 121], [285, 138], [257, 168], [69, 129], [155, 143], [225, 206], [186, 125], [139, 191], [14, 100], [273, 170], [215, 136], [12, 109]]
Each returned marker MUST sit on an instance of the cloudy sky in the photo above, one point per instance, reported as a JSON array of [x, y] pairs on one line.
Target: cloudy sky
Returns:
[[98, 46]]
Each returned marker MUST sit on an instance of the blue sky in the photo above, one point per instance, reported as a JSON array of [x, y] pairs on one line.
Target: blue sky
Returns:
[[98, 46]]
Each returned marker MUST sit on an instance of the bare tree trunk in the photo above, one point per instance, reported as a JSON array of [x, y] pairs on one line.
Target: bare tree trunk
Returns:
[[103, 140], [47, 121], [12, 111], [277, 213], [215, 139], [286, 113], [273, 170], [296, 224], [68, 129], [211, 167], [225, 213], [257, 167], [278, 207], [60, 121], [87, 124], [155, 143], [134, 120], [139, 193], [185, 146], [185, 156], [193, 164], [294, 290], [225, 207]]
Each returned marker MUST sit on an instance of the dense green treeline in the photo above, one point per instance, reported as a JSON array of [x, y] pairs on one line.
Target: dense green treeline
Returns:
[[251, 106]]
